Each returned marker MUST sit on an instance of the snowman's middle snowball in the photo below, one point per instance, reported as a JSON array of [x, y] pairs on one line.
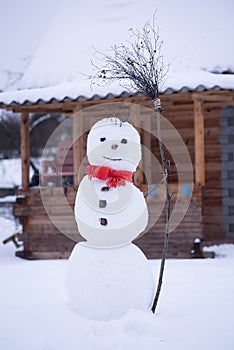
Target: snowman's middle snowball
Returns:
[[122, 215]]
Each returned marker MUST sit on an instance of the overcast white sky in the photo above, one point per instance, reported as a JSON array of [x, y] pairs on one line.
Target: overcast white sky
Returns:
[[23, 23]]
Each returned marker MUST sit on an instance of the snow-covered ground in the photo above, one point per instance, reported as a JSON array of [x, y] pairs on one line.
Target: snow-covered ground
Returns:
[[196, 306], [195, 311], [10, 172]]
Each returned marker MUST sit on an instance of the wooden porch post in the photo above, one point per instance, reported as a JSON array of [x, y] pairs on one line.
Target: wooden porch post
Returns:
[[135, 116], [77, 144], [199, 143], [25, 149]]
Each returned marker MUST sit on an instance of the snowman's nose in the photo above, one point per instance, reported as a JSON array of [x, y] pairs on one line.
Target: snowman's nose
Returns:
[[114, 146]]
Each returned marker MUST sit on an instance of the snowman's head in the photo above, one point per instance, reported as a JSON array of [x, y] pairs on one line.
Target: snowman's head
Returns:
[[114, 144]]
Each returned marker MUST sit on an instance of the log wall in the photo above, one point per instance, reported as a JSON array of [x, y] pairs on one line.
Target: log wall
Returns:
[[204, 219], [43, 240], [180, 112]]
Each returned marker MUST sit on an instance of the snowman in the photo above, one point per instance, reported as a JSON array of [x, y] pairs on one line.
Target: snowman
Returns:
[[108, 275]]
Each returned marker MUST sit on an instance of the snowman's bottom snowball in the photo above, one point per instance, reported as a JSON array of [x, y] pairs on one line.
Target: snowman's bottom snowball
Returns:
[[103, 284]]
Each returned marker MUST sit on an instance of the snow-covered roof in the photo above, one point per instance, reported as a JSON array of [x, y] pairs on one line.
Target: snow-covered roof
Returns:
[[196, 39]]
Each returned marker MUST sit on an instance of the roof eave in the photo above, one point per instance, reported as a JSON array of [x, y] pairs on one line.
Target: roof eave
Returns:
[[68, 104]]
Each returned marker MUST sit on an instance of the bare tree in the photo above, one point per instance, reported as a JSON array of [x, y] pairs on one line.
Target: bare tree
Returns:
[[11, 78], [139, 66]]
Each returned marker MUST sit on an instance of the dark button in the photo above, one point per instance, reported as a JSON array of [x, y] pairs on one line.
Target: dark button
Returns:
[[102, 203], [124, 141], [103, 221], [105, 189]]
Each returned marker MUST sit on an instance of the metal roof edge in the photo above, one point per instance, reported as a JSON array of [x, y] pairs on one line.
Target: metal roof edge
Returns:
[[123, 94]]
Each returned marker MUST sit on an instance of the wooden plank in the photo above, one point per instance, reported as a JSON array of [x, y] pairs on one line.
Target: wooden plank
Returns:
[[48, 237], [54, 107], [66, 220], [199, 143], [226, 98], [34, 229], [33, 192], [37, 247], [27, 254], [25, 148], [213, 232], [51, 201], [39, 210]]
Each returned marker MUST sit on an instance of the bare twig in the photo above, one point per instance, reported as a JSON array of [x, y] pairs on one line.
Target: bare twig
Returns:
[[138, 65]]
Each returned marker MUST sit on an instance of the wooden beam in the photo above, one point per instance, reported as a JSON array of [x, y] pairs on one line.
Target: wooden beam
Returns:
[[199, 143], [25, 149], [77, 144], [225, 97], [40, 110], [58, 107]]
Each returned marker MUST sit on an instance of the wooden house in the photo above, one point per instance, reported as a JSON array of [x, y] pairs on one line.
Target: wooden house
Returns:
[[197, 131]]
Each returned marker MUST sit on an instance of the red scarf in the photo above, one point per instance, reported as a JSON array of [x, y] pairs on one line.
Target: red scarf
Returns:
[[116, 177]]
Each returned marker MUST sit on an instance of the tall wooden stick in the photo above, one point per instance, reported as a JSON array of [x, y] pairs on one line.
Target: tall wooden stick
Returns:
[[158, 109]]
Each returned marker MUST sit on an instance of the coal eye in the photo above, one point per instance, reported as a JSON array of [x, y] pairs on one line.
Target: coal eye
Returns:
[[124, 141], [102, 139]]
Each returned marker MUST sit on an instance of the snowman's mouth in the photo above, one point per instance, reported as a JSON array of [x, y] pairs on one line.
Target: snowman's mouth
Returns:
[[115, 159]]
